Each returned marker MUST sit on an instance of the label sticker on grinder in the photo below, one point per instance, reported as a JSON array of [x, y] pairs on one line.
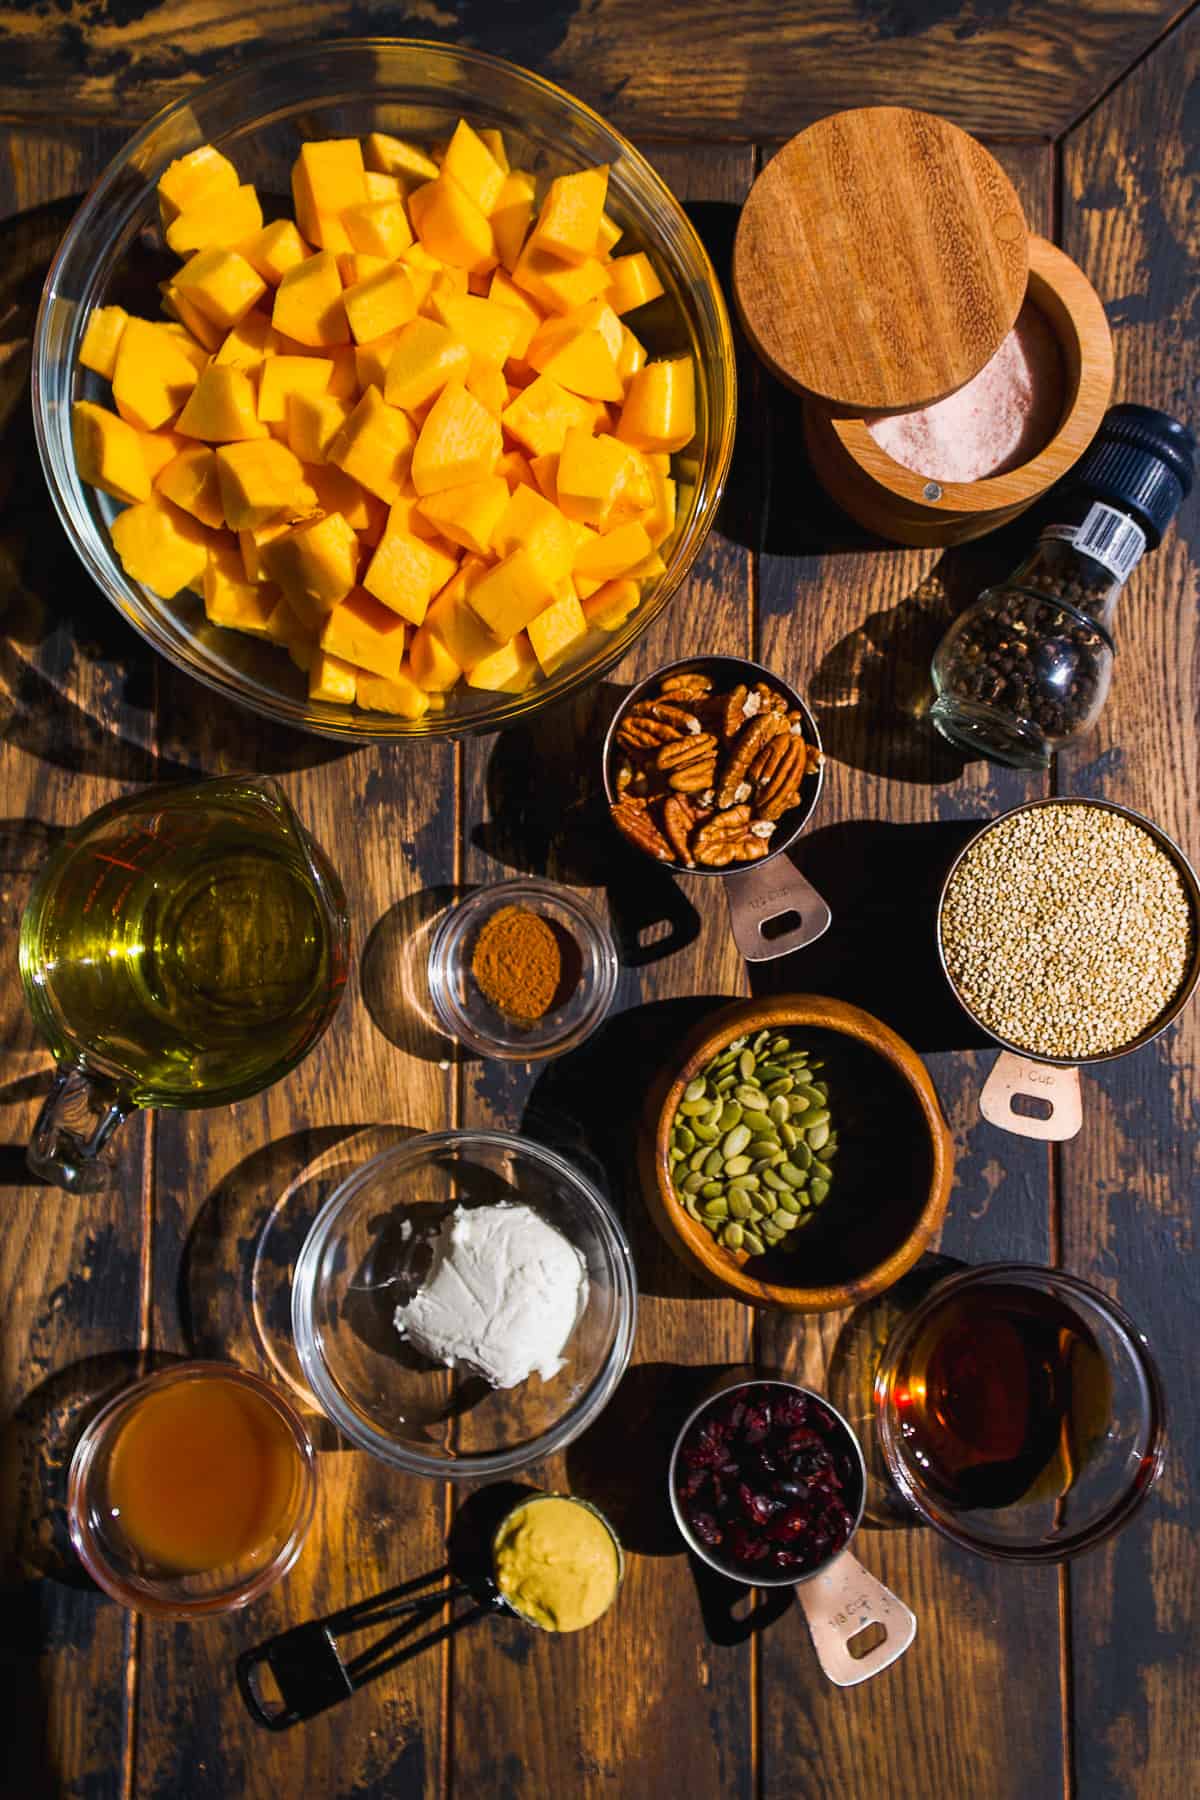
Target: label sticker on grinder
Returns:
[[1109, 537]]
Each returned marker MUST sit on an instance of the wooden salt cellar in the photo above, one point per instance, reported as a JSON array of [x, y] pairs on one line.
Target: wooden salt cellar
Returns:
[[881, 259]]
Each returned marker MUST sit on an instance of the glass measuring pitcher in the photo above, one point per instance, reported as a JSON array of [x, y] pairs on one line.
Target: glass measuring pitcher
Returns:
[[183, 947]]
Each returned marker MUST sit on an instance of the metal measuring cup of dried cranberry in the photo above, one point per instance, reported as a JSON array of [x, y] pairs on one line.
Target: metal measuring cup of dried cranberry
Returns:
[[768, 1486], [773, 909]]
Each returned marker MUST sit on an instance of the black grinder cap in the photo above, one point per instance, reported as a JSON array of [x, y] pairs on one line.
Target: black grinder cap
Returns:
[[1141, 461]]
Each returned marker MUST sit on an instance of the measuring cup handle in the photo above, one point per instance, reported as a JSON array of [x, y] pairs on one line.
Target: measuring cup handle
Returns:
[[761, 898], [842, 1601], [1053, 1091], [72, 1144]]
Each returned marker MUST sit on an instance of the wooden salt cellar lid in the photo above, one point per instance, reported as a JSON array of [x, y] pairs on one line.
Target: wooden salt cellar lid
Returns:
[[880, 260]]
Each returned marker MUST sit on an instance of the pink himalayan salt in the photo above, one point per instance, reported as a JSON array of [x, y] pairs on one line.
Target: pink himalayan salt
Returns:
[[999, 420]]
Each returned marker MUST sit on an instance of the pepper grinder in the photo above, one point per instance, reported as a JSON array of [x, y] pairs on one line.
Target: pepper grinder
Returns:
[[1025, 671]]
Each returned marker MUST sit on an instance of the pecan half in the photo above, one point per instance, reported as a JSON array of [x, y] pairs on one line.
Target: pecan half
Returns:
[[667, 713], [646, 734], [680, 815], [686, 687], [724, 714], [690, 765], [760, 730], [777, 772], [634, 822], [728, 838], [768, 699]]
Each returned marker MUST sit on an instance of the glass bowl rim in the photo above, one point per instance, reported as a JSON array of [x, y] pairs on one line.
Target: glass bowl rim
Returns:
[[855, 1444], [93, 1440], [503, 709], [457, 920], [492, 1462], [1133, 1495]]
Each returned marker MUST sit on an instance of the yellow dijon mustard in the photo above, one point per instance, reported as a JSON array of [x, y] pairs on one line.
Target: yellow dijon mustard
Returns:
[[557, 1563]]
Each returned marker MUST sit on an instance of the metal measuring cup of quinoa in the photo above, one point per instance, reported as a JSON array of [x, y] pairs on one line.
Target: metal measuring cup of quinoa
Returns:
[[1069, 931], [713, 766]]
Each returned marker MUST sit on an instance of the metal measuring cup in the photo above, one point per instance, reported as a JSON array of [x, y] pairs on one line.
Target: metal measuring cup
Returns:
[[309, 1668], [762, 894], [839, 1597], [1051, 1083]]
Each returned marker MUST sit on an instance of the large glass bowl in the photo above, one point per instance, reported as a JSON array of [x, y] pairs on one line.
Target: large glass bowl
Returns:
[[364, 1256], [259, 116]]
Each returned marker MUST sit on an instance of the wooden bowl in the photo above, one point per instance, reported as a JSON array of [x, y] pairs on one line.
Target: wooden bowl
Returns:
[[896, 503], [893, 1174]]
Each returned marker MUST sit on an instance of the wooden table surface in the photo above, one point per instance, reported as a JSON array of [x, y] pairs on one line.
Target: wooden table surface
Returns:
[[1023, 1682]]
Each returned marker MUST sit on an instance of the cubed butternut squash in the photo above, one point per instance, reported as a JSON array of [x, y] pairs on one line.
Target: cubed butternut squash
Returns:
[[101, 335], [469, 162], [531, 522], [231, 600], [405, 573], [426, 356], [393, 156], [108, 452], [332, 678], [366, 634], [459, 442], [433, 667], [308, 303], [542, 414], [468, 515], [261, 482], [313, 421], [660, 406], [569, 222], [378, 227], [283, 377], [191, 480], [632, 282], [315, 564], [161, 546], [555, 632], [191, 178], [222, 407], [380, 305], [510, 594], [250, 342], [274, 250], [222, 284], [611, 604], [375, 446], [399, 693], [512, 216], [451, 226], [508, 670], [153, 375], [218, 219]]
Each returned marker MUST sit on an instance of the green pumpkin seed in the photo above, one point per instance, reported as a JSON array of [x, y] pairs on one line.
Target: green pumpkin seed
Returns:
[[674, 1154], [790, 1201], [712, 1190], [730, 1116], [695, 1089], [766, 1143], [691, 1184], [760, 1043], [693, 1210], [780, 1047], [770, 1234], [732, 1237], [818, 1116], [817, 1134], [684, 1139], [739, 1203], [784, 1220], [783, 1085], [770, 1071], [802, 1155], [768, 1203], [705, 1133], [753, 1243], [757, 1121], [792, 1175], [821, 1169], [692, 1109], [735, 1141], [798, 1105], [715, 1209], [778, 1110], [818, 1189], [697, 1157], [789, 1136], [822, 1088], [751, 1098], [774, 1181], [747, 1063], [737, 1165], [725, 1083], [714, 1162]]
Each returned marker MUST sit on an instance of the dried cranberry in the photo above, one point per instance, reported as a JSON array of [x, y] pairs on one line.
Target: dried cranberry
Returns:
[[757, 1424], [790, 1524], [706, 1528], [786, 1560], [762, 1468], [792, 1410], [736, 1415], [747, 1545], [756, 1506], [692, 1483]]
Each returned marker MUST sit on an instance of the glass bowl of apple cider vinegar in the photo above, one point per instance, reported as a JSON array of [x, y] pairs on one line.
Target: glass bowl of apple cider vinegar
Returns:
[[192, 1492]]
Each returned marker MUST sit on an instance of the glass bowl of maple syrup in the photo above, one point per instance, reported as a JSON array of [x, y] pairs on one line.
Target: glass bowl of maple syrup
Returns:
[[1020, 1412], [192, 1492]]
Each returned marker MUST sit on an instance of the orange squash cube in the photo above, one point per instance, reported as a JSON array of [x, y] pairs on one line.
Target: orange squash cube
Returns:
[[380, 305], [283, 377], [433, 667], [331, 678], [569, 222], [614, 553], [459, 442], [398, 693], [231, 600], [510, 594], [379, 227], [153, 375], [468, 515], [542, 414], [375, 446], [249, 344], [338, 492], [633, 281], [469, 162], [578, 359], [192, 482], [392, 156], [315, 564], [313, 421], [405, 573], [558, 286], [274, 250], [512, 216], [218, 219], [555, 632], [108, 452], [425, 358], [508, 670], [331, 174], [531, 522], [611, 604], [223, 407], [222, 285], [452, 227], [261, 482], [366, 634], [160, 546], [383, 187], [660, 406], [308, 303], [252, 543], [101, 335], [180, 306], [190, 178]]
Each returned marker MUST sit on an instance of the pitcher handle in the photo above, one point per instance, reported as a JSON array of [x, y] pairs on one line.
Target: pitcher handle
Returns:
[[73, 1141]]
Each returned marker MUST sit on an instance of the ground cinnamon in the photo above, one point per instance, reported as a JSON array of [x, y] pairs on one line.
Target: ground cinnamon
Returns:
[[517, 963]]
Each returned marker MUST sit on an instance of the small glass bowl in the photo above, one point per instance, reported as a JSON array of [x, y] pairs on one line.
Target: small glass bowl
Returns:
[[118, 1568], [364, 1253], [467, 1015], [1119, 1467]]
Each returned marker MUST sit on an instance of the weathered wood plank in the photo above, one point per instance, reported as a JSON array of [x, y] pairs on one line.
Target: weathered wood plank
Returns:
[[386, 818], [855, 631], [644, 1702], [760, 70], [75, 730], [1131, 1180]]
